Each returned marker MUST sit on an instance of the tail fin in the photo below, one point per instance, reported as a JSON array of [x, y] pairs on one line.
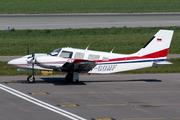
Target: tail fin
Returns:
[[158, 46]]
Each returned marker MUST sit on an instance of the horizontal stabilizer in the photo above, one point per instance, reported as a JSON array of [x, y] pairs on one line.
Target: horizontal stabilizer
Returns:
[[156, 64]]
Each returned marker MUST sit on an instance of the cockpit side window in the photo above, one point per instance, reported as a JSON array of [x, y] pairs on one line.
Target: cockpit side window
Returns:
[[66, 54], [55, 52]]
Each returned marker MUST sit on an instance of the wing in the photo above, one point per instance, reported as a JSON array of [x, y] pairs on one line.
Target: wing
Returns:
[[78, 65]]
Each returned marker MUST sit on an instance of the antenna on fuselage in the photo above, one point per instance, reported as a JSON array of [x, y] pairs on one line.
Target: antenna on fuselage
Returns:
[[112, 49], [88, 46]]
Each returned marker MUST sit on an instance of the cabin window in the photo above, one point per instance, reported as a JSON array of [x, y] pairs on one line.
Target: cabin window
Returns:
[[79, 55], [93, 57], [66, 54], [105, 59]]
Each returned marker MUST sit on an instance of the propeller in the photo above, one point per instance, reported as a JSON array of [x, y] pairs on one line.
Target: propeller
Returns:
[[33, 59], [33, 62], [28, 49]]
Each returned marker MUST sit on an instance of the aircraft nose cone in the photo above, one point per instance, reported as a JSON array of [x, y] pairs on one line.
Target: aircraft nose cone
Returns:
[[17, 62], [11, 62]]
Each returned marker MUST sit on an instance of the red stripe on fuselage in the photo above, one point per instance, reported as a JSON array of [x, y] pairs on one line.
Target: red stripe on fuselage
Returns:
[[162, 53], [54, 62]]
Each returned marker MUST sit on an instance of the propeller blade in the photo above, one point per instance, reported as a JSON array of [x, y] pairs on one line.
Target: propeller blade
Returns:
[[33, 56], [28, 49]]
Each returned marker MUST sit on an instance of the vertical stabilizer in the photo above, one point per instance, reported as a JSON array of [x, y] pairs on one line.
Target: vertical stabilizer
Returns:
[[158, 46]]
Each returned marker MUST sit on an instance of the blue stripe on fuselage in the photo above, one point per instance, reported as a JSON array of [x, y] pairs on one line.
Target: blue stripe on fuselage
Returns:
[[139, 61]]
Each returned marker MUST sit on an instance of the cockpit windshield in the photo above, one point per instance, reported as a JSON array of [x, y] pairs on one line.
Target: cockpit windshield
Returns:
[[55, 52]]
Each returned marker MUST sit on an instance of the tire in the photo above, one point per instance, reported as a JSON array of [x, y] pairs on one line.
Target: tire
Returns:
[[69, 77], [76, 81], [31, 79]]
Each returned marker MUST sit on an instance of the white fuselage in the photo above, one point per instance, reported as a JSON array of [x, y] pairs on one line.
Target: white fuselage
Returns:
[[105, 62]]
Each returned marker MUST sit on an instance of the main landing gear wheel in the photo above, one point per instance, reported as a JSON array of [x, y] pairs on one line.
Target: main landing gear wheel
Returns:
[[69, 77], [72, 77], [31, 79], [75, 81]]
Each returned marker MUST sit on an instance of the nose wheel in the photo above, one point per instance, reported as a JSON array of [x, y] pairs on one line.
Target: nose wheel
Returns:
[[31, 79]]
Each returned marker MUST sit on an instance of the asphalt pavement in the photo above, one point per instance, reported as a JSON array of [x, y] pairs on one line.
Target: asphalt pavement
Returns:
[[107, 20], [95, 97]]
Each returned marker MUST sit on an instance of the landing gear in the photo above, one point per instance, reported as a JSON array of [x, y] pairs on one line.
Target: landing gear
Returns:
[[31, 79], [72, 77]]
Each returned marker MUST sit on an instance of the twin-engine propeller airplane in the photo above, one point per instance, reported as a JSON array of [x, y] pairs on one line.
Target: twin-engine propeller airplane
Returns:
[[75, 61]]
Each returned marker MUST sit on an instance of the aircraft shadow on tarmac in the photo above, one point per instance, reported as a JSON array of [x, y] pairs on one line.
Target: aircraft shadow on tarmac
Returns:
[[137, 80], [49, 80], [62, 81]]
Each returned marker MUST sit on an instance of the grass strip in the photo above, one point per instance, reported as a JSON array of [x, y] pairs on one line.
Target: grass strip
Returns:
[[126, 40], [87, 6], [174, 68]]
